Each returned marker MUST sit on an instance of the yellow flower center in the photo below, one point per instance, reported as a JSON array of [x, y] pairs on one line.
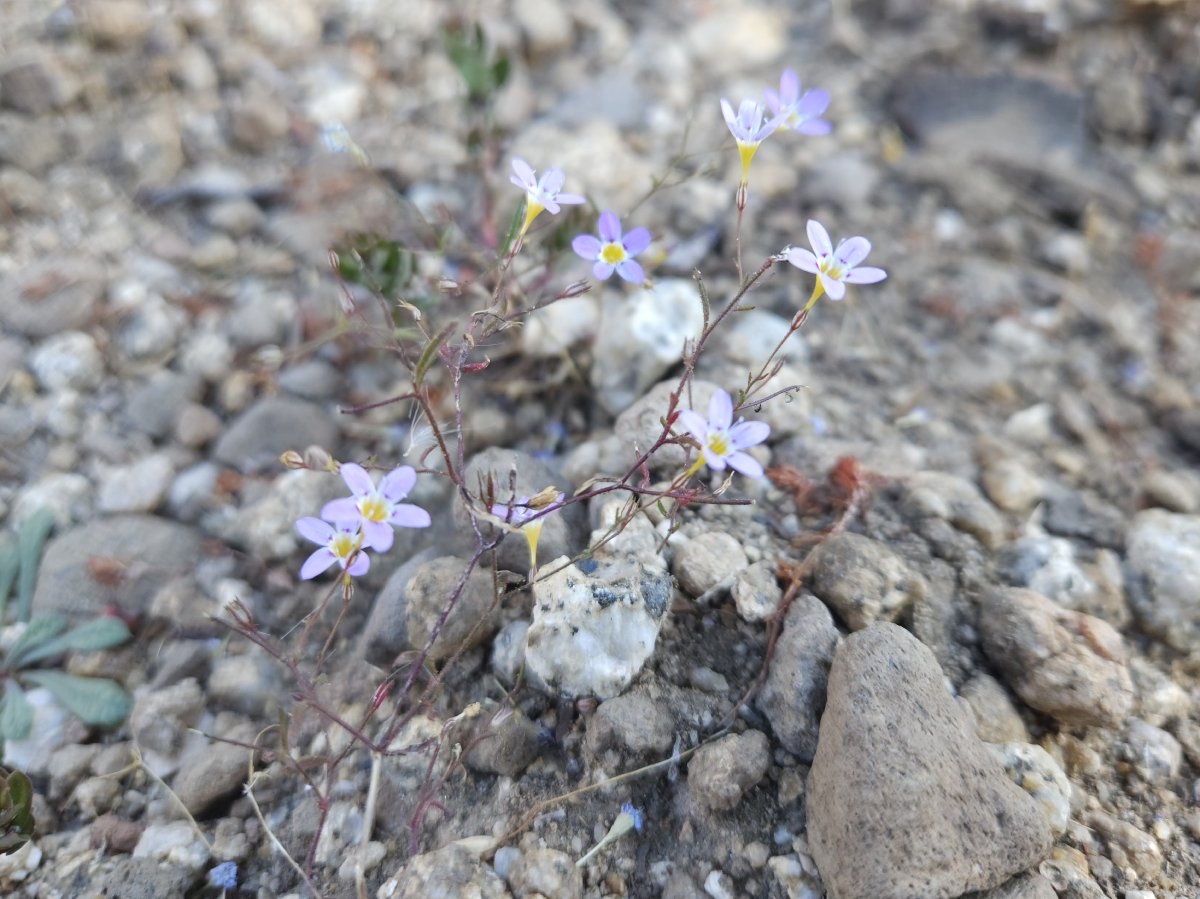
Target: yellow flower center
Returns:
[[830, 266], [612, 253], [372, 508], [718, 443], [343, 544]]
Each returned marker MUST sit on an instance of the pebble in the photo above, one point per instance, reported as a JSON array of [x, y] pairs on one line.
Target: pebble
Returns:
[[426, 595], [51, 296], [862, 580], [1127, 845], [552, 330], [1159, 699], [793, 696], [214, 770], [255, 440], [996, 717], [640, 425], [174, 842], [66, 494], [546, 872], [628, 730], [117, 24], [722, 772], [592, 632], [1175, 491], [903, 799], [196, 426], [250, 684], [68, 360], [1163, 556], [1156, 755], [1067, 664], [150, 328], [147, 878], [1036, 772], [1047, 564], [640, 337], [35, 82], [160, 721], [138, 487], [208, 354], [153, 405], [934, 494], [449, 871], [1010, 484], [510, 742], [756, 592], [706, 561]]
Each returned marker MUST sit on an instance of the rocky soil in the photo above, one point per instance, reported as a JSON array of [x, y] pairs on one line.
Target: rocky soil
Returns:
[[985, 500]]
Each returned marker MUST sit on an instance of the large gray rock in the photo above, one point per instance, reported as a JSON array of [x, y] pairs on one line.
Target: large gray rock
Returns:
[[146, 553], [1163, 551], [1067, 664], [904, 800], [272, 425]]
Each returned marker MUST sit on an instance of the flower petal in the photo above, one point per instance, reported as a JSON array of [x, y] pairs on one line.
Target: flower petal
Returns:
[[406, 515], [818, 237], [587, 246], [803, 259], [635, 241], [378, 536], [812, 104], [715, 461], [773, 102], [339, 511], [694, 424], [603, 270], [316, 530], [866, 275], [357, 479], [525, 176], [789, 87], [316, 563], [749, 433], [852, 251], [834, 288], [359, 566], [720, 410], [397, 483], [746, 464], [609, 227], [630, 271], [570, 199], [551, 181], [730, 118], [814, 127]]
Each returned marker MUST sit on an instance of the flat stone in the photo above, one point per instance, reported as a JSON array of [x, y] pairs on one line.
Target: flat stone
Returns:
[[1163, 552], [256, 438], [862, 580], [903, 798]]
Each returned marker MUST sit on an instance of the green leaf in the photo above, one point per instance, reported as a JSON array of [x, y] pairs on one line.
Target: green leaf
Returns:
[[37, 632], [16, 811], [429, 354], [10, 564], [101, 633], [31, 536], [16, 714], [94, 700]]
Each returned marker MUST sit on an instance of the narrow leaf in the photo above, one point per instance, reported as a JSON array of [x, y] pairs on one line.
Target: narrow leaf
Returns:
[[16, 714], [100, 633], [10, 564], [31, 536], [94, 700], [37, 632], [429, 354]]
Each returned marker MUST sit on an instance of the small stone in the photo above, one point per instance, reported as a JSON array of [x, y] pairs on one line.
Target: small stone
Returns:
[[1047, 564], [546, 872], [1159, 699], [175, 842], [1140, 850], [33, 81], [213, 771], [862, 580], [903, 800], [197, 426], [722, 772], [1156, 755], [152, 406], [52, 295], [207, 354], [640, 425], [629, 729], [139, 487], [996, 718], [1163, 553], [719, 885], [70, 359], [511, 743], [707, 560], [956, 500], [116, 23], [1037, 773], [1175, 491], [793, 696], [640, 337], [161, 718], [266, 527], [149, 332], [426, 595], [449, 871], [592, 632], [236, 216], [250, 684], [756, 591], [147, 878], [257, 437], [1010, 484], [215, 252], [114, 834], [1067, 664], [547, 29], [96, 795]]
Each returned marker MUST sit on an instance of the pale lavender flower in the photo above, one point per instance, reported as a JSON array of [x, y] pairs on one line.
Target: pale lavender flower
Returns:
[[612, 251], [796, 111], [544, 193], [376, 509], [223, 876], [722, 440], [834, 268], [341, 543], [749, 128]]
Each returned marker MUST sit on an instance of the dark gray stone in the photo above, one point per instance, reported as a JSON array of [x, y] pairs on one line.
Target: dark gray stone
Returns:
[[257, 437]]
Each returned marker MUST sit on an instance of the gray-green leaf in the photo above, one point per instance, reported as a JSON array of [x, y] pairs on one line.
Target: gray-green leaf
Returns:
[[94, 700], [101, 633], [37, 632], [16, 714]]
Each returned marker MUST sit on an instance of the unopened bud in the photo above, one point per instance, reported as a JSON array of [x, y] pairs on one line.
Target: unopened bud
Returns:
[[547, 496], [574, 289], [292, 459]]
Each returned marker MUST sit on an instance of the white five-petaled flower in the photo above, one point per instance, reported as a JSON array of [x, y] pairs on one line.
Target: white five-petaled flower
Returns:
[[722, 440], [544, 193], [749, 129], [341, 543], [795, 111], [834, 268], [376, 508]]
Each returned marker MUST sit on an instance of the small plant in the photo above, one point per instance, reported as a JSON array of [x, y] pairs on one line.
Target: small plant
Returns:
[[97, 701], [16, 811]]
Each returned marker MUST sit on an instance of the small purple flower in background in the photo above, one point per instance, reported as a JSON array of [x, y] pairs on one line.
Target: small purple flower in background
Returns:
[[834, 268], [342, 544], [377, 508], [795, 111], [223, 876], [543, 193], [612, 251], [748, 129], [630, 818], [722, 440]]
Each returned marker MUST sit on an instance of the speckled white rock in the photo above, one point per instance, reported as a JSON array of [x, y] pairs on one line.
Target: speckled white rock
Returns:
[[756, 592], [1036, 772], [138, 487], [1163, 551], [67, 360], [175, 842], [640, 337], [592, 631]]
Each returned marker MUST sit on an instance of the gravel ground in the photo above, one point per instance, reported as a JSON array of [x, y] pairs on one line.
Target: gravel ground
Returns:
[[949, 647]]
